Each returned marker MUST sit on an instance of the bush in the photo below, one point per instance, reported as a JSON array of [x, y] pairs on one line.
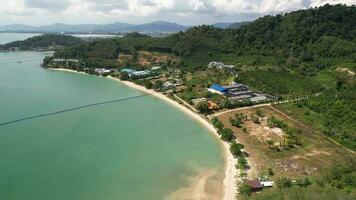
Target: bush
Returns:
[[245, 189], [283, 182]]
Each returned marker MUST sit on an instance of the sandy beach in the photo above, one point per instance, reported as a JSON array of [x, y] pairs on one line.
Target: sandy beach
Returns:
[[230, 176]]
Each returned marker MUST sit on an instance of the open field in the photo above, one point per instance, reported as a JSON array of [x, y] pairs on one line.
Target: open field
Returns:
[[313, 156]]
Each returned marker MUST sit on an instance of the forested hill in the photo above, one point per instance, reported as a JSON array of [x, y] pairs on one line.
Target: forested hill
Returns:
[[300, 36], [303, 32], [44, 41], [310, 39]]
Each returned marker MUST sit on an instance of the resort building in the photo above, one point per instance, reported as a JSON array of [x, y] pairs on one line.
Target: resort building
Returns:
[[128, 71], [102, 71], [141, 73]]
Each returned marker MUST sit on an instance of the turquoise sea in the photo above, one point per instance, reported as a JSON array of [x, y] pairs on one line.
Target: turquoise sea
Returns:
[[140, 149]]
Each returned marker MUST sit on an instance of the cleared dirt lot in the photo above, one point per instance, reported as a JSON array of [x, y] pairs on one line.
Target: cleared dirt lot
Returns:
[[315, 153]]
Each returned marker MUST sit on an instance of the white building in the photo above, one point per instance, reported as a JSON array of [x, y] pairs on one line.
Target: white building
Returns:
[[220, 65]]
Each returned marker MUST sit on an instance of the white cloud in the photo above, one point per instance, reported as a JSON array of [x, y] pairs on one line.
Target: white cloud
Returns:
[[138, 11]]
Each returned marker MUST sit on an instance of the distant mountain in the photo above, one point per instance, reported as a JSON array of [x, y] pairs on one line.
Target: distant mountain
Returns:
[[159, 26], [16, 27], [222, 25], [238, 25]]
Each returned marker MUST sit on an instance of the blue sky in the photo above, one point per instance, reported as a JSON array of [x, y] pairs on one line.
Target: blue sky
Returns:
[[187, 12]]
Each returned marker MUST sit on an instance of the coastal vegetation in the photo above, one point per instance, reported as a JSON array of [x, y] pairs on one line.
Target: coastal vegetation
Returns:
[[43, 42]]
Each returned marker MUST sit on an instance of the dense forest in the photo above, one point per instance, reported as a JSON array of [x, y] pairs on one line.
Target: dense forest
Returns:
[[44, 41]]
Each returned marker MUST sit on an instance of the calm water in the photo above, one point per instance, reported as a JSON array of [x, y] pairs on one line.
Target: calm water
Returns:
[[9, 37], [137, 149]]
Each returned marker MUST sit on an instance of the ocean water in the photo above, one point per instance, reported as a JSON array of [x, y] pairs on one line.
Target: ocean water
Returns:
[[9, 37], [140, 149]]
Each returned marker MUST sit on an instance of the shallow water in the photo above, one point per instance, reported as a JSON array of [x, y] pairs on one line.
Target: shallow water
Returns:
[[136, 149], [10, 37]]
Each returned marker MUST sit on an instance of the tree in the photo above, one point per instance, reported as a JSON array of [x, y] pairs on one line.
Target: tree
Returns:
[[124, 76], [217, 123], [203, 107], [237, 122], [157, 85], [228, 104], [227, 135], [236, 148]]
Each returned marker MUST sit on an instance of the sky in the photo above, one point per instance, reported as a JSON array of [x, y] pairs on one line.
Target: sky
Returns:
[[186, 12]]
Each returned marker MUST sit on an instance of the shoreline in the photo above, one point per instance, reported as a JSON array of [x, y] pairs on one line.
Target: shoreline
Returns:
[[230, 180]]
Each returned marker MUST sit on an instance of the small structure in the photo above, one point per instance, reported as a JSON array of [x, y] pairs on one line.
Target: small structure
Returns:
[[199, 100], [168, 85], [220, 65], [267, 183]]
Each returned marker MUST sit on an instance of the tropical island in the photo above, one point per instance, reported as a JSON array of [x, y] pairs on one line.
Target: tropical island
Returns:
[[279, 91]]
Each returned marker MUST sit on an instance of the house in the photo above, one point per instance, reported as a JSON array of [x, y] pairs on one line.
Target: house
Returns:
[[255, 185], [216, 88]]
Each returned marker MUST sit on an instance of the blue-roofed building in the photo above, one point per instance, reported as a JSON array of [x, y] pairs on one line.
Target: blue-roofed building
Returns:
[[216, 88]]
